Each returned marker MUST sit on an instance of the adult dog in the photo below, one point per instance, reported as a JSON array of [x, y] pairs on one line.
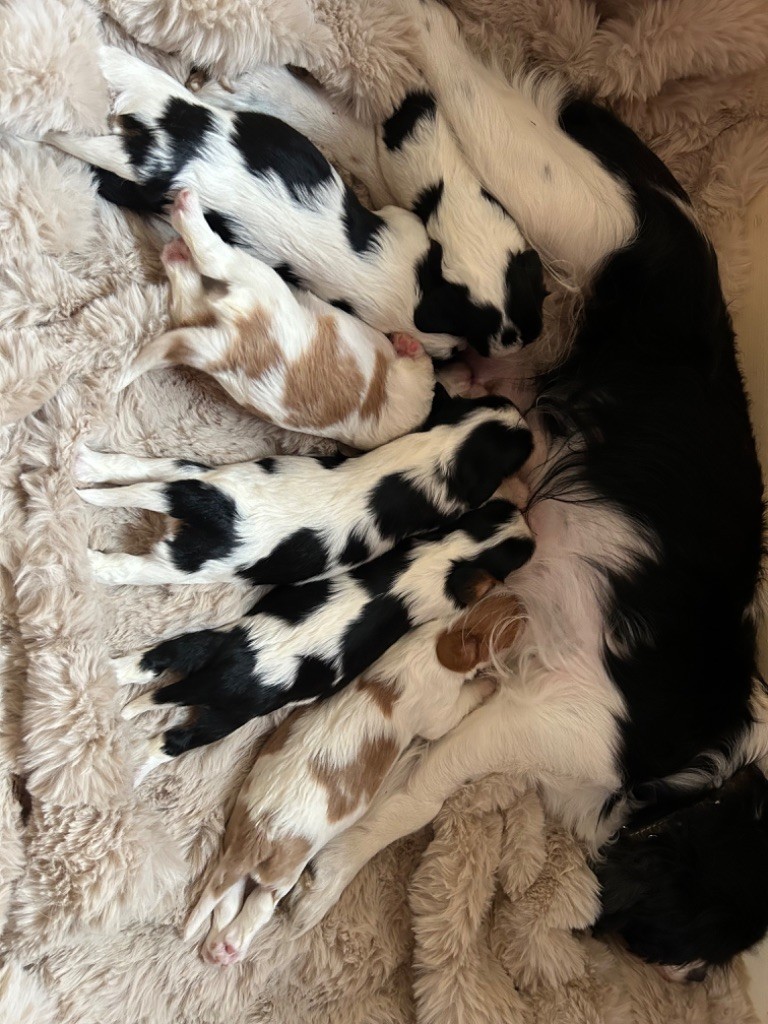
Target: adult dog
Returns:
[[633, 690]]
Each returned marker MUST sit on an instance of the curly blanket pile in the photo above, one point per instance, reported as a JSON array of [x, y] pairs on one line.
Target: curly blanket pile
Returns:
[[482, 918]]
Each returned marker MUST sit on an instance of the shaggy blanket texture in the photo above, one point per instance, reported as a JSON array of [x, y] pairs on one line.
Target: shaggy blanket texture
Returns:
[[476, 920]]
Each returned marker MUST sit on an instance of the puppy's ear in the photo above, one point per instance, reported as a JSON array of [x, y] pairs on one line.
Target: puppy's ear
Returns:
[[444, 309], [457, 650]]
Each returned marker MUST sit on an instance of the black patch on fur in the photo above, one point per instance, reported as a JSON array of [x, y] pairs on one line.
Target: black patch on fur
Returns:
[[222, 225], [524, 293], [344, 306], [186, 125], [447, 409], [329, 461], [147, 198], [294, 604], [315, 677], [299, 557], [654, 392], [355, 552], [400, 509], [449, 309], [362, 227], [494, 201], [270, 146], [269, 465], [403, 121], [481, 523], [429, 270], [184, 654], [378, 575], [138, 140], [208, 523], [381, 623], [498, 562], [289, 275], [692, 887], [428, 201], [488, 455]]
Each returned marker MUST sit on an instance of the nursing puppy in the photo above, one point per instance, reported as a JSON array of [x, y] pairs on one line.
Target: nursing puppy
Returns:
[[633, 697], [318, 772], [282, 353], [283, 520], [264, 187], [493, 288], [306, 641]]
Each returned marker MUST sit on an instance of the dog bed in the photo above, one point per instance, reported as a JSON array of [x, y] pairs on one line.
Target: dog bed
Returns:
[[484, 917]]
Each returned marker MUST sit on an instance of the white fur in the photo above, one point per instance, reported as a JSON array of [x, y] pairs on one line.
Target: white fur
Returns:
[[420, 587], [308, 236], [476, 236], [336, 503], [292, 320], [283, 797]]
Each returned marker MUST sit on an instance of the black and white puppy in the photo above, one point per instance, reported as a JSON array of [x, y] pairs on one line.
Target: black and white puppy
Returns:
[[634, 696], [489, 285], [265, 187], [306, 641], [287, 519]]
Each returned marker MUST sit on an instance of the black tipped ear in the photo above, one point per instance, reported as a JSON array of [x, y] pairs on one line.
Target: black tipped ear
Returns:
[[525, 293], [490, 454]]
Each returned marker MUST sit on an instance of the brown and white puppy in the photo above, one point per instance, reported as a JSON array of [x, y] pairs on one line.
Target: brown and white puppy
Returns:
[[283, 353], [318, 772]]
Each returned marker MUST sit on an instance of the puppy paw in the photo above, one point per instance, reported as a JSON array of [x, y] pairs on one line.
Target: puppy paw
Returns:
[[405, 345], [176, 251], [221, 953], [456, 378], [483, 687], [196, 80]]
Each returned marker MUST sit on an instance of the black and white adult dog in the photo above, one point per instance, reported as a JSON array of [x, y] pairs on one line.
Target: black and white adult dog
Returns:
[[286, 519], [634, 702], [301, 642], [489, 284], [266, 187]]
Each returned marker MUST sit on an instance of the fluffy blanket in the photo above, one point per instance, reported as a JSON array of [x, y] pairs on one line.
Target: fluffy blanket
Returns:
[[483, 917]]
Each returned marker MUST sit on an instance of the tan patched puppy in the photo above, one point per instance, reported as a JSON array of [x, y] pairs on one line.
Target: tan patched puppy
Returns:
[[319, 771], [281, 352]]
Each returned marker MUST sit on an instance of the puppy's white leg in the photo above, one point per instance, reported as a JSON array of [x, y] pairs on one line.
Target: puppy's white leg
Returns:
[[153, 758], [118, 569], [92, 467], [227, 910], [104, 151], [147, 495], [128, 670], [210, 252], [230, 944], [183, 346], [470, 696]]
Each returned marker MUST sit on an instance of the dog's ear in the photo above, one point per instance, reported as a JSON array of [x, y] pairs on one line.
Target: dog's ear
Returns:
[[444, 309], [525, 293], [457, 650], [490, 453]]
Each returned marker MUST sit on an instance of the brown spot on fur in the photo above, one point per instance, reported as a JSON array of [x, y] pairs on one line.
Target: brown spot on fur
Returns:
[[253, 350], [373, 403], [324, 385], [350, 784], [495, 621], [279, 737], [179, 350], [204, 318], [256, 848], [380, 691]]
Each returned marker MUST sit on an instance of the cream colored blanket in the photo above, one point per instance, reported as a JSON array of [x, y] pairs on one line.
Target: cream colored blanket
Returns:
[[477, 920]]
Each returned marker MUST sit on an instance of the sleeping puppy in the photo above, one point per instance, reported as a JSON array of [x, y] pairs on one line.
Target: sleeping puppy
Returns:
[[282, 353], [306, 641], [264, 187], [318, 772], [492, 287], [633, 697], [287, 519]]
